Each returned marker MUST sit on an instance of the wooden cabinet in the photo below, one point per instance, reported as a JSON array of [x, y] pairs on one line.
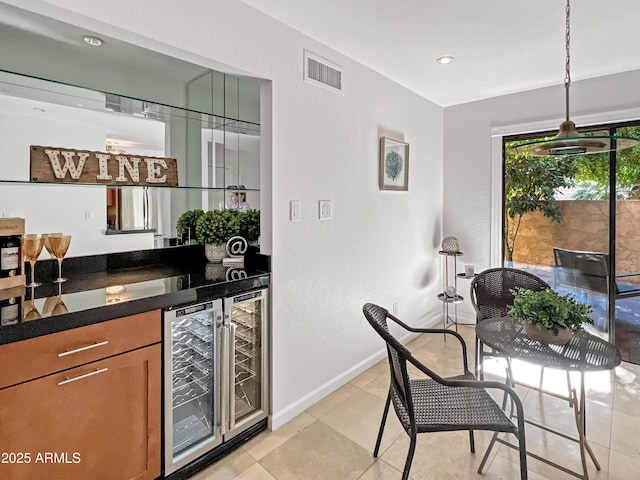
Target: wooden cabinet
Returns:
[[97, 420], [36, 357]]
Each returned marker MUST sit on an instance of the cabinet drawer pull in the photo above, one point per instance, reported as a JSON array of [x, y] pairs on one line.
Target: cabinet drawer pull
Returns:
[[82, 349], [80, 377]]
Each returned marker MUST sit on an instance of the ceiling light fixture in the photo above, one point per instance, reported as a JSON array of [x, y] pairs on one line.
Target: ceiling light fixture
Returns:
[[568, 141], [93, 41], [444, 60]]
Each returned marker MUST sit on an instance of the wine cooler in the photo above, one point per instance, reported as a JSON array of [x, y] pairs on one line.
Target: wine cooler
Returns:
[[216, 385]]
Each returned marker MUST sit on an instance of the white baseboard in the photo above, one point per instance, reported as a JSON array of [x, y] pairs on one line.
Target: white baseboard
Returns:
[[292, 410]]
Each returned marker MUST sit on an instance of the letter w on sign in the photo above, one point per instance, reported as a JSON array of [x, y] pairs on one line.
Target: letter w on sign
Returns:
[[67, 165]]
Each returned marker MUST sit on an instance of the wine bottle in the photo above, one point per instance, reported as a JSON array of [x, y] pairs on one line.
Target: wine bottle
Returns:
[[9, 256], [9, 311]]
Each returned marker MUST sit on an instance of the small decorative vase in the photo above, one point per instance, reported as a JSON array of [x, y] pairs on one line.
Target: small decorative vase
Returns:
[[215, 253], [450, 245], [542, 335]]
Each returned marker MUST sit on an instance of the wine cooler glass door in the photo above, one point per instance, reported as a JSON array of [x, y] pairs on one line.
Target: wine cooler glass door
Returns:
[[192, 419], [246, 314]]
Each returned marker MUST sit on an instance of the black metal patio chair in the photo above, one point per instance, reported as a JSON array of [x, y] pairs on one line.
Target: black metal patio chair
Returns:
[[441, 404], [491, 297]]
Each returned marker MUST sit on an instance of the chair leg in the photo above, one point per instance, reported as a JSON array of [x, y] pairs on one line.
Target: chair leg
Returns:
[[407, 463], [541, 378], [384, 419], [472, 442], [486, 454], [510, 378], [477, 357], [523, 455]]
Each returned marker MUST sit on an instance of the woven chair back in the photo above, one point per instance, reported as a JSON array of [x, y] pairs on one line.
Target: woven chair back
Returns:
[[491, 290], [401, 392]]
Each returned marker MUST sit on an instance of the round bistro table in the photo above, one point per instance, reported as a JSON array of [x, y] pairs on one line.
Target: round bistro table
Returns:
[[583, 353]]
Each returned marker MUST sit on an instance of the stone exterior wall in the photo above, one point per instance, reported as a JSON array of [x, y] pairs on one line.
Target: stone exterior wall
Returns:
[[584, 226]]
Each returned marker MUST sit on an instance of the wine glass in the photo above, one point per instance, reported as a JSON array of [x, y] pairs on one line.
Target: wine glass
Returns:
[[49, 304], [29, 310], [55, 305], [31, 248], [60, 245], [47, 244], [59, 307]]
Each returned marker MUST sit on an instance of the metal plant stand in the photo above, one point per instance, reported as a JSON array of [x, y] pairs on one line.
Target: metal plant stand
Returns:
[[448, 297]]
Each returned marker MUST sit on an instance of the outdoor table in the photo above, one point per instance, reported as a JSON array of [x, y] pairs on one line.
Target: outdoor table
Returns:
[[583, 353]]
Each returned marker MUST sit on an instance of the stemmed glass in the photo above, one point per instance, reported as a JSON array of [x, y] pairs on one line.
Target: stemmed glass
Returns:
[[31, 248], [59, 245], [60, 307], [29, 310], [47, 244], [55, 305]]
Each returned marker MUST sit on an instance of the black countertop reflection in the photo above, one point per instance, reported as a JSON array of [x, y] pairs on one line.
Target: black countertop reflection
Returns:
[[105, 287]]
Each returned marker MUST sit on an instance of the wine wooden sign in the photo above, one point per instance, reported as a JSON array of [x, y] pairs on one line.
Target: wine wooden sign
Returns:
[[66, 165]]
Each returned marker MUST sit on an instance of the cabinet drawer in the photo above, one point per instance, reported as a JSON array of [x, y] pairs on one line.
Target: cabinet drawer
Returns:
[[36, 357]]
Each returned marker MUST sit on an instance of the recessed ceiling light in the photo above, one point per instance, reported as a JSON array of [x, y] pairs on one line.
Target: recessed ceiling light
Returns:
[[38, 109], [444, 60], [93, 41]]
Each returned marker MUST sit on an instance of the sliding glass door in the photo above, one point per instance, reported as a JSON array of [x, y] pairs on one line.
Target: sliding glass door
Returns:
[[562, 224]]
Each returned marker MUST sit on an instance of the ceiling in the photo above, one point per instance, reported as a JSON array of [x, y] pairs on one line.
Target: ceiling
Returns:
[[27, 33], [499, 46]]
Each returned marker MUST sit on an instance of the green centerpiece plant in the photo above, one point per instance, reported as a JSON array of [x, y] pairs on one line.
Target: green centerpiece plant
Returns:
[[214, 228], [186, 225], [548, 316], [250, 225]]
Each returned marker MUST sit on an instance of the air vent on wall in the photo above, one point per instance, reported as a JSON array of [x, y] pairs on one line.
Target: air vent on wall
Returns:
[[321, 72], [113, 102]]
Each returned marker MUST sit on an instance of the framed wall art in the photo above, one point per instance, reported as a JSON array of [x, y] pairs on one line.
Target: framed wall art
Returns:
[[394, 164]]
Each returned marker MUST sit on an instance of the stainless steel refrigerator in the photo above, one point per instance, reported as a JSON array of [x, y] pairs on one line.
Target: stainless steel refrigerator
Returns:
[[216, 364]]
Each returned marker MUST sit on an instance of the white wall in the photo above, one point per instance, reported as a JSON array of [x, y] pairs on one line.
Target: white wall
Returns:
[[380, 246], [468, 151]]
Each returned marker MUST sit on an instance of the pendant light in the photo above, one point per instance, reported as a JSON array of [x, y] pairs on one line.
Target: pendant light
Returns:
[[568, 141]]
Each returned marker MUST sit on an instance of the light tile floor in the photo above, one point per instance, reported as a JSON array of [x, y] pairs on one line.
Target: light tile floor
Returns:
[[334, 439]]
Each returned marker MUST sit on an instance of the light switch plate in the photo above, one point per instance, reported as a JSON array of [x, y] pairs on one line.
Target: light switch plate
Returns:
[[295, 213], [325, 209]]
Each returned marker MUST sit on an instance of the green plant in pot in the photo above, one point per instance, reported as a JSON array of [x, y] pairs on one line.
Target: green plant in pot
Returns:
[[186, 225], [548, 316], [250, 226], [214, 229]]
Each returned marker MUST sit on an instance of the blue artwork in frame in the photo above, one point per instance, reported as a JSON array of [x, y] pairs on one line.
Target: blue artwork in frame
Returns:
[[394, 164]]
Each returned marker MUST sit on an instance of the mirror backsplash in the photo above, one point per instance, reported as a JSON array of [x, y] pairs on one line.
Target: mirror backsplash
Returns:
[[213, 154]]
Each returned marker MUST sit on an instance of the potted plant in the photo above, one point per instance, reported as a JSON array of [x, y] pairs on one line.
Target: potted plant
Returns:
[[250, 226], [186, 225], [548, 316], [214, 228]]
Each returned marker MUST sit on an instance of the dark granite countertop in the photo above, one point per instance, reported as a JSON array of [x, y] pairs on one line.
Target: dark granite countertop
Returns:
[[105, 287]]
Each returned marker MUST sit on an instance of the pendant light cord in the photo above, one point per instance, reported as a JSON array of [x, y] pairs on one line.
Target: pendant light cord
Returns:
[[567, 77]]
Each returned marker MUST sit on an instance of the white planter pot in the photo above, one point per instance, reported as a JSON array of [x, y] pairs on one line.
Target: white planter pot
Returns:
[[215, 253]]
